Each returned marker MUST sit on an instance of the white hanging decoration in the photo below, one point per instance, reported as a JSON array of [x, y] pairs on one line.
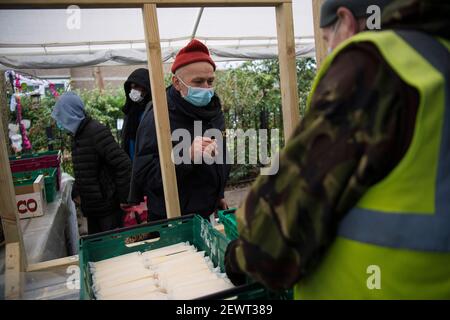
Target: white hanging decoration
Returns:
[[12, 103], [26, 123], [16, 142]]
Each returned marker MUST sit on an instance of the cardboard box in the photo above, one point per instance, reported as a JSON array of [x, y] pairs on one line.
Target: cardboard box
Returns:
[[30, 199]]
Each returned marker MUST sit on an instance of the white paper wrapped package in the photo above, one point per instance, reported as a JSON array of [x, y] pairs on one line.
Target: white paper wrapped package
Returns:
[[175, 272], [124, 268], [183, 280], [199, 289], [153, 262], [185, 260], [142, 286], [199, 270], [125, 257], [164, 251], [122, 278], [141, 283]]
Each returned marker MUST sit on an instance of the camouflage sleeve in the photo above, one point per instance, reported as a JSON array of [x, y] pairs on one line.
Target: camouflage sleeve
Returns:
[[358, 115]]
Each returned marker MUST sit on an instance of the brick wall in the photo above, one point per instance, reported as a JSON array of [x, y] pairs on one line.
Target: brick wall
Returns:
[[84, 77]]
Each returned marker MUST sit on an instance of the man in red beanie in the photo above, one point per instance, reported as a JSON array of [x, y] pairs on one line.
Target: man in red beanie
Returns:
[[192, 105]]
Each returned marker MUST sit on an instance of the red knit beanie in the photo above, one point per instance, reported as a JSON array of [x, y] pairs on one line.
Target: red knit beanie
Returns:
[[195, 51]]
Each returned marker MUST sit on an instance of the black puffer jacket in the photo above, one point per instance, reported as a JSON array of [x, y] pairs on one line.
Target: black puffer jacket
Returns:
[[200, 186], [102, 169]]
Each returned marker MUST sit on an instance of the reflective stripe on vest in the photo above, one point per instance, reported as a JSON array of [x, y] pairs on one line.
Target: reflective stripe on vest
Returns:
[[409, 230]]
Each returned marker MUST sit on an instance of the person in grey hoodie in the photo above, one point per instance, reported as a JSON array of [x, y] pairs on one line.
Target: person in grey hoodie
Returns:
[[101, 167]]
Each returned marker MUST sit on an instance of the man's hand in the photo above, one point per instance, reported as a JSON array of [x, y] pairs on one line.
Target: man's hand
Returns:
[[236, 276], [222, 205], [203, 146], [77, 200], [125, 206]]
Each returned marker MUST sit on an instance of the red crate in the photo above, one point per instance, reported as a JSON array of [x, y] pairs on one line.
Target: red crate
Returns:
[[38, 161]]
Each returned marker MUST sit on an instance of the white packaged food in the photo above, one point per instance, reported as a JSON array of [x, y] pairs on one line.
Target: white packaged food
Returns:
[[199, 290], [175, 272]]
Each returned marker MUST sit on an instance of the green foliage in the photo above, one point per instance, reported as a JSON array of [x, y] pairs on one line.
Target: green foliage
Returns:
[[103, 106], [251, 99]]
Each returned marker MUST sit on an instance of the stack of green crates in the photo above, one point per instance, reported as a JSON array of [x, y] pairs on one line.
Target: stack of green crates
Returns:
[[228, 219], [192, 228], [27, 178]]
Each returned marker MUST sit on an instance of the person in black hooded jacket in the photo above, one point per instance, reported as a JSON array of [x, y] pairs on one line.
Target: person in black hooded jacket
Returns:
[[138, 93], [101, 168], [190, 99]]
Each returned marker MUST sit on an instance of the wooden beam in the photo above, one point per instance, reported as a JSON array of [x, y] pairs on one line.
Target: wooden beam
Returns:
[[4, 104], [288, 74], [321, 46], [13, 274], [138, 3], [160, 110], [56, 263], [8, 208], [96, 72]]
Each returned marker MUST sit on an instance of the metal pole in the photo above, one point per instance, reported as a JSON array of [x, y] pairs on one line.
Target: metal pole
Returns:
[[197, 22]]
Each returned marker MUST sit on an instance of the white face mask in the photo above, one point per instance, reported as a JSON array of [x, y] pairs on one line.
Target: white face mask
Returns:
[[135, 95]]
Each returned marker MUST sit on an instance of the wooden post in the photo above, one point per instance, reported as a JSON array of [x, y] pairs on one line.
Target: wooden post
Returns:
[[13, 272], [4, 110], [288, 74], [98, 78], [321, 47], [160, 110], [4, 104], [8, 209]]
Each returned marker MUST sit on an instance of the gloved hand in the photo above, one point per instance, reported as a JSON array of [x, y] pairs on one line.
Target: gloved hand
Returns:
[[236, 276], [135, 214]]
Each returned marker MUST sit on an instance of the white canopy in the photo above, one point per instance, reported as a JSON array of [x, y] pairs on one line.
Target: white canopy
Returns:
[[50, 39]]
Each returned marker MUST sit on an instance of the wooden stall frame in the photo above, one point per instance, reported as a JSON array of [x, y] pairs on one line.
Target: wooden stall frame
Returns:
[[8, 210], [288, 85], [13, 272], [56, 263], [320, 45]]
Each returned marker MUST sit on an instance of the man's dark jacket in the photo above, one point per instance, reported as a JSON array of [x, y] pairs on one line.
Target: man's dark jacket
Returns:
[[200, 186]]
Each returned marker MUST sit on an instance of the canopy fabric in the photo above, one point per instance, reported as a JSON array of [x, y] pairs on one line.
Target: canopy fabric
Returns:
[[50, 39], [139, 57]]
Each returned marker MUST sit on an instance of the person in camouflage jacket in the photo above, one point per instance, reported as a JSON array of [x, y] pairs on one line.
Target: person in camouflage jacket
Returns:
[[359, 126]]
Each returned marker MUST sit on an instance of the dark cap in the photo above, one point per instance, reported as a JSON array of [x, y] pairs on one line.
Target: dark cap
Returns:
[[357, 7]]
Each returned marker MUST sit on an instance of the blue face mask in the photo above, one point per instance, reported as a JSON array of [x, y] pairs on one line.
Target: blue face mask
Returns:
[[199, 97]]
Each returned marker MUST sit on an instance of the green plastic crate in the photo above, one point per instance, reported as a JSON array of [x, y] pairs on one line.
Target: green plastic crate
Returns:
[[27, 178], [35, 155], [192, 228], [50, 183], [37, 161], [228, 219]]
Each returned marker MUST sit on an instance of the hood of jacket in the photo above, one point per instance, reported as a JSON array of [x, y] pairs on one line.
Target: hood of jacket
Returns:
[[141, 78], [69, 111]]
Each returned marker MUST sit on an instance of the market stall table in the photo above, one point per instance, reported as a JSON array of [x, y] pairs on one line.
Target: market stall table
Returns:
[[55, 234]]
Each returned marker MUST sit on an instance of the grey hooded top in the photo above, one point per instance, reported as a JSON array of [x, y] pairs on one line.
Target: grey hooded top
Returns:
[[69, 111]]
